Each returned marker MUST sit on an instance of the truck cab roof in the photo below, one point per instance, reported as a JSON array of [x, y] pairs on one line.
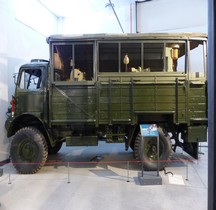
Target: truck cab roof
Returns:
[[35, 63], [129, 36]]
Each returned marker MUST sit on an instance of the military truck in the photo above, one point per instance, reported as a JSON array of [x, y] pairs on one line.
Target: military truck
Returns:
[[104, 86]]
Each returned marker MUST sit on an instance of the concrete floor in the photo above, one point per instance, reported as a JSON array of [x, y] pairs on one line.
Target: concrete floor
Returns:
[[95, 178]]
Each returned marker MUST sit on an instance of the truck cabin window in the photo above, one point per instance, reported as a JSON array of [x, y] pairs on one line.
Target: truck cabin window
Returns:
[[31, 79], [197, 59], [73, 62], [142, 57], [175, 57]]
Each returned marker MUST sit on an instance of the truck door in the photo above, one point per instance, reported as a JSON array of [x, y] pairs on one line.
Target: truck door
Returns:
[[197, 95], [30, 91], [175, 64], [73, 97]]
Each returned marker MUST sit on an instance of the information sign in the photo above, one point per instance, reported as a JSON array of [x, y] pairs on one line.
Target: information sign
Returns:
[[149, 130]]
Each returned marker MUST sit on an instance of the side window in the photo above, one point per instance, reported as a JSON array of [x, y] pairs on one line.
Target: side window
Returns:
[[164, 57], [82, 66], [175, 57], [30, 79], [115, 57], [130, 57], [62, 57], [197, 64], [153, 57], [73, 62], [142, 57], [108, 57]]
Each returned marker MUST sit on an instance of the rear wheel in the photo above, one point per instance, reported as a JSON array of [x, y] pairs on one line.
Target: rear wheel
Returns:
[[28, 150], [149, 154]]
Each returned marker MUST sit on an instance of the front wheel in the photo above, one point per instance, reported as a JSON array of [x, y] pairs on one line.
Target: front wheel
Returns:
[[149, 154], [28, 150]]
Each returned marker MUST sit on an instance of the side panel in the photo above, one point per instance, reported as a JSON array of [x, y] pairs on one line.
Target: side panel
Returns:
[[30, 102], [197, 103], [73, 104], [114, 103], [197, 113], [122, 99]]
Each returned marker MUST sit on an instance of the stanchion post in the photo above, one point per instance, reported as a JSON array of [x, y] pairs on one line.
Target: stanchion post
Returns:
[[199, 151], [142, 151], [186, 170], [1, 172], [157, 155], [9, 178], [128, 171], [9, 175], [68, 172]]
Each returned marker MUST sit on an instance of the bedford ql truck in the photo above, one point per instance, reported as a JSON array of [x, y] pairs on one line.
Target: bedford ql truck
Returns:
[[105, 86]]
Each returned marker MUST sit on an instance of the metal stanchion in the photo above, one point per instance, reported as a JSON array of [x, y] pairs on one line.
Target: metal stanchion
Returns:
[[157, 155], [68, 173], [128, 171], [186, 171], [9, 175], [1, 173]]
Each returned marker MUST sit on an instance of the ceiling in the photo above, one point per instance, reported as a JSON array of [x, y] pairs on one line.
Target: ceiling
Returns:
[[67, 8]]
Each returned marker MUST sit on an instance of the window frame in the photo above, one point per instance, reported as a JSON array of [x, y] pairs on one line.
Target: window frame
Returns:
[[23, 71], [73, 44], [142, 43], [204, 53]]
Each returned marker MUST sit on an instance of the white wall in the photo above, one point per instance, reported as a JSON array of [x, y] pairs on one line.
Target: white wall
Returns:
[[99, 19], [152, 16], [35, 15], [19, 43], [172, 16]]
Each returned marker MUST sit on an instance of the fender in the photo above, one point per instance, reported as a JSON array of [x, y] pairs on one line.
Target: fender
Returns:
[[13, 124]]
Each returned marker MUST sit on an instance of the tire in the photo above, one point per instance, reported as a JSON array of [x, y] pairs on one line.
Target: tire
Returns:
[[54, 150], [28, 150], [149, 157]]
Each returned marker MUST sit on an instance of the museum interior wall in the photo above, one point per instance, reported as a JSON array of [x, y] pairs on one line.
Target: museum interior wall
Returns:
[[99, 17], [172, 16], [19, 43]]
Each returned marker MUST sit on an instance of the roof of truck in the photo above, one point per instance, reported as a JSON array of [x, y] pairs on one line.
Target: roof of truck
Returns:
[[35, 63], [130, 36]]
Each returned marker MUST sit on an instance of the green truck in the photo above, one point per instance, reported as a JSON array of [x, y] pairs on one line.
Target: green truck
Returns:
[[103, 87]]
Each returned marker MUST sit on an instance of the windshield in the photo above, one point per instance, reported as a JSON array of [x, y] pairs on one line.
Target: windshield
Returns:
[[30, 79]]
